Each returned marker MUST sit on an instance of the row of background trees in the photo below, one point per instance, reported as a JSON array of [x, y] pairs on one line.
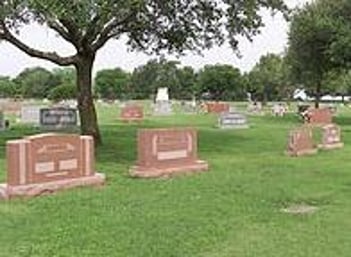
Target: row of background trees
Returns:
[[271, 79]]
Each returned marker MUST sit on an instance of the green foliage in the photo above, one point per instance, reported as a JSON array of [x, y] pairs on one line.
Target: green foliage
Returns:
[[113, 84], [152, 26], [8, 88], [319, 42], [221, 82], [65, 76], [63, 92], [269, 79], [36, 82], [187, 83], [161, 73]]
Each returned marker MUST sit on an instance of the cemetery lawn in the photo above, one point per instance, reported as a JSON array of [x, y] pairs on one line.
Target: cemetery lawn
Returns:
[[234, 210]]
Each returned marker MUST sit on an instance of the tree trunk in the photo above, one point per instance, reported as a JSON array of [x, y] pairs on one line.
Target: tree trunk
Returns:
[[318, 95], [87, 112]]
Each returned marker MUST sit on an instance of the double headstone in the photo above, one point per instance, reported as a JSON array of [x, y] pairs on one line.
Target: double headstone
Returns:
[[58, 118], [46, 163], [162, 152]]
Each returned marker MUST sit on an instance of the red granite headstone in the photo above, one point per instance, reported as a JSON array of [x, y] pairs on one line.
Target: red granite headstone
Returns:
[[301, 142], [131, 113], [46, 163], [318, 116], [162, 152], [217, 107], [331, 137]]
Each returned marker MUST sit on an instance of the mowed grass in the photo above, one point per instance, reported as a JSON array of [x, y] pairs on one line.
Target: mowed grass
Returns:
[[232, 210]]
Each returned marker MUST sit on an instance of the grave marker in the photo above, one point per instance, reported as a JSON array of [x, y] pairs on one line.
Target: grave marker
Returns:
[[217, 107], [31, 114], [318, 116], [46, 163], [132, 113], [59, 118], [162, 152], [232, 120], [301, 142], [331, 137]]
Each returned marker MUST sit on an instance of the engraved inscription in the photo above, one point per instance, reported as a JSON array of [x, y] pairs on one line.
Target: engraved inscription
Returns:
[[171, 155], [44, 167], [68, 164]]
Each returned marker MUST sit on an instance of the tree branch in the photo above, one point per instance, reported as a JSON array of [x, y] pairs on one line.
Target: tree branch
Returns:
[[55, 25], [109, 31], [50, 56], [73, 31]]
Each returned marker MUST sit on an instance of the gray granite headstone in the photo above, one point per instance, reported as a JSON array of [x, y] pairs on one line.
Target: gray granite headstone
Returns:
[[31, 114], [163, 108], [58, 118], [232, 120]]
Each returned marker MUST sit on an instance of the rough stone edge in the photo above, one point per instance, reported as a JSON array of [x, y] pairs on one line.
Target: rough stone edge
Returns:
[[33, 190], [143, 172]]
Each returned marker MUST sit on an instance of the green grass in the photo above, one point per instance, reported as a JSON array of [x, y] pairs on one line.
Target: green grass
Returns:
[[232, 210]]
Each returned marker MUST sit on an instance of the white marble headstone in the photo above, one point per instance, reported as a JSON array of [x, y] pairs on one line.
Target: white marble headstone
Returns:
[[162, 94]]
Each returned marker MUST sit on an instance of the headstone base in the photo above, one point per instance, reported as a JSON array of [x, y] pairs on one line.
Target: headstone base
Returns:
[[151, 172], [331, 146], [302, 152], [130, 120], [27, 191], [233, 126]]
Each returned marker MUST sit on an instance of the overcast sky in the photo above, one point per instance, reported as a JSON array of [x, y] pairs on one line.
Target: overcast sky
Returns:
[[115, 54]]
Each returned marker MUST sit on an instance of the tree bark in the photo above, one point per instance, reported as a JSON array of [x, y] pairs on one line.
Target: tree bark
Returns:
[[86, 107], [318, 95]]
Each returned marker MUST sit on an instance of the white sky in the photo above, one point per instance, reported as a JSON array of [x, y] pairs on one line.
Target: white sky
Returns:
[[115, 54]]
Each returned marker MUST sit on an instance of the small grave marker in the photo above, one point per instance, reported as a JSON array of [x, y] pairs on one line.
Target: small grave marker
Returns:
[[331, 137], [131, 113], [301, 142]]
